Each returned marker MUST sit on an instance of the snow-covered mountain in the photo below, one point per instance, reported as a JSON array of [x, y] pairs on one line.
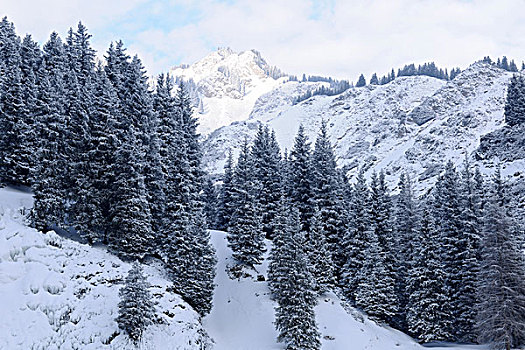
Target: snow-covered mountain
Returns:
[[56, 293], [228, 84], [414, 123]]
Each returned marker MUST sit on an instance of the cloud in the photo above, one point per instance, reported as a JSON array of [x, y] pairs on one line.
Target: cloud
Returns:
[[342, 38]]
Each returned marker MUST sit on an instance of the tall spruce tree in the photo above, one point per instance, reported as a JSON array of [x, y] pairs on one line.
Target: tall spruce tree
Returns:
[[328, 196], [129, 207], [405, 217], [301, 179], [50, 159], [454, 247], [515, 103], [245, 234], [356, 239], [427, 316], [291, 278], [226, 194], [501, 289], [266, 158]]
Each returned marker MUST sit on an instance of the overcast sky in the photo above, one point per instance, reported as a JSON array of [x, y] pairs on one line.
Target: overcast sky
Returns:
[[340, 38]]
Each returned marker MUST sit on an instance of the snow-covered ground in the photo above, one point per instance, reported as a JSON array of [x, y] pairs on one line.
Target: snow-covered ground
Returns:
[[243, 314], [56, 293], [59, 294]]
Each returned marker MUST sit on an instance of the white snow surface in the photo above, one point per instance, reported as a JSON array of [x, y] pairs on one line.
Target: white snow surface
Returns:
[[56, 293]]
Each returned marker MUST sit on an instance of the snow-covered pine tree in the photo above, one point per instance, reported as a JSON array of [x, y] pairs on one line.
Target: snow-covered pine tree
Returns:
[[210, 203], [226, 195], [515, 103], [320, 258], [129, 208], [361, 81], [189, 254], [501, 289], [48, 175], [301, 179], [375, 289], [14, 166], [245, 234], [405, 218], [328, 196], [136, 307], [356, 239], [284, 225], [427, 317], [266, 158], [454, 248], [471, 217], [295, 316]]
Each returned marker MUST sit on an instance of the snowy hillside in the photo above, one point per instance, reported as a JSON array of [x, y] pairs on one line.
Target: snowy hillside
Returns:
[[58, 294], [411, 123], [243, 314]]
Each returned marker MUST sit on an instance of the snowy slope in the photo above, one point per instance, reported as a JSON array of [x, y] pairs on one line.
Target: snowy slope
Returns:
[[58, 294], [412, 123], [243, 314]]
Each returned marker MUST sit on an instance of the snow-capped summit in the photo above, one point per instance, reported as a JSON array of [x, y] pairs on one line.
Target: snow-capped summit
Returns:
[[226, 85]]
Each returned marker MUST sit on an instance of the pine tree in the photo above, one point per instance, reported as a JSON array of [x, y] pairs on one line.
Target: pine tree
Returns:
[[210, 203], [375, 288], [501, 289], [136, 307], [50, 191], [427, 317], [454, 248], [130, 226], [245, 235], [515, 103], [328, 196], [266, 157], [295, 316], [356, 239], [226, 194], [188, 252], [301, 179], [361, 81], [320, 257], [379, 269], [470, 201], [405, 236], [374, 80]]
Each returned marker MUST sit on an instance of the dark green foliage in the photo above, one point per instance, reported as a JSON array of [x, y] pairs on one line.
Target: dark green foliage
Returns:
[[266, 158], [501, 288], [301, 179], [515, 103], [245, 232], [427, 316], [293, 285], [136, 307], [226, 195], [361, 81]]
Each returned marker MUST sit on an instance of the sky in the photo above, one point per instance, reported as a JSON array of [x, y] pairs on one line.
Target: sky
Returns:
[[339, 38]]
